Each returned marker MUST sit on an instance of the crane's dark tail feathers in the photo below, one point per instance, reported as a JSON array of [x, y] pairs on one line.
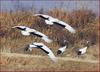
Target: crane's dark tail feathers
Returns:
[[26, 48], [79, 53], [58, 52]]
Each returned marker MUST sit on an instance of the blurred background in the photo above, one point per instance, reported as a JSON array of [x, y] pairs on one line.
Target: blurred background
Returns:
[[13, 5]]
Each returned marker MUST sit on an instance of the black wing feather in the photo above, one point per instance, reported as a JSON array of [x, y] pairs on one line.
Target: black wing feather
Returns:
[[21, 28], [40, 46], [43, 17], [36, 34]]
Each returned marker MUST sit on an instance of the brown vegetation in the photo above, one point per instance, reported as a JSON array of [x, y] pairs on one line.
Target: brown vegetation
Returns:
[[84, 21], [23, 62]]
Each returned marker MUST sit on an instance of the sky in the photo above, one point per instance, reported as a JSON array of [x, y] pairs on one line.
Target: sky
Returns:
[[7, 5]]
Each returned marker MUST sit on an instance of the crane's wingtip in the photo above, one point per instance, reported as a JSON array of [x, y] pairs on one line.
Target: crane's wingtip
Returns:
[[74, 31], [54, 60], [70, 29], [49, 41]]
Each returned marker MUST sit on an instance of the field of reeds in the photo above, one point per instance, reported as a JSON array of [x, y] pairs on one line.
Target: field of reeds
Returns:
[[25, 62], [84, 21]]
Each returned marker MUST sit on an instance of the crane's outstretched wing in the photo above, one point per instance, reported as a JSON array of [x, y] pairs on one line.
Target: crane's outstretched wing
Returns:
[[65, 25], [52, 57], [43, 36], [47, 51]]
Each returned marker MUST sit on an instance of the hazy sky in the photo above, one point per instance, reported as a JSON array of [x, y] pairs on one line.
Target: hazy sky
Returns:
[[68, 5]]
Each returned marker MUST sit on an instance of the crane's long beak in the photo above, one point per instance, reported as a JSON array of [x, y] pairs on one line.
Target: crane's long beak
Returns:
[[36, 14], [12, 27]]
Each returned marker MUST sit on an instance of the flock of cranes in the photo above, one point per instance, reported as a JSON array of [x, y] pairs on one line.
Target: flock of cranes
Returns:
[[49, 20]]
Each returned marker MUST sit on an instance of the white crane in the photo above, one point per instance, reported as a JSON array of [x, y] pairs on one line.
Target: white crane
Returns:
[[44, 48], [27, 31], [50, 21], [84, 49], [62, 49]]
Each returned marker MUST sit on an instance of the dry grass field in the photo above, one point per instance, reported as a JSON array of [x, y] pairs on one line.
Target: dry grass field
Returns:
[[12, 43], [23, 62]]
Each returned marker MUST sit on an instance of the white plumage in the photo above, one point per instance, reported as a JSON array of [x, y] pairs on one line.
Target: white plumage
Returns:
[[27, 31], [50, 21], [24, 30], [82, 50], [63, 48], [44, 48]]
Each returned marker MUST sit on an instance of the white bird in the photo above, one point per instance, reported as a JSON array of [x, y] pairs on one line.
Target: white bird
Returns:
[[27, 31], [84, 49], [63, 48], [50, 21], [44, 48]]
